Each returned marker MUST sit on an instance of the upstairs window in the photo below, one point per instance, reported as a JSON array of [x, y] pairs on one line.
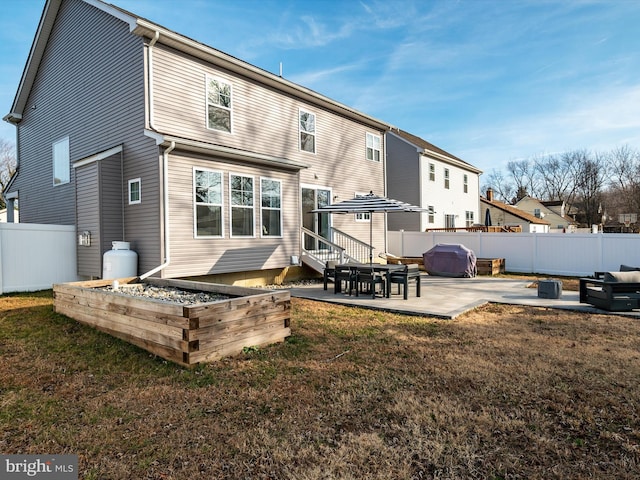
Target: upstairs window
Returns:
[[537, 213], [218, 104], [432, 172], [446, 178], [307, 128], [207, 190], [465, 185], [242, 217], [61, 168], [373, 147], [271, 207]]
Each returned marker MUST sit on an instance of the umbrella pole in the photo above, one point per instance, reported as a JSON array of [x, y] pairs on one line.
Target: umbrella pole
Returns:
[[371, 238]]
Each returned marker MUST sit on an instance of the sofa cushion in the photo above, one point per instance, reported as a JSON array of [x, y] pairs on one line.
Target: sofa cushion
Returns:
[[622, 277], [627, 268]]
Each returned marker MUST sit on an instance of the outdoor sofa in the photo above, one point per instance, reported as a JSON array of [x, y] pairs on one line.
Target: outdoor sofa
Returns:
[[613, 291]]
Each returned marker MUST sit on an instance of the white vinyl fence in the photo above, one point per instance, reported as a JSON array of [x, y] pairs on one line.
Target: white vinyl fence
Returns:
[[572, 254], [34, 257]]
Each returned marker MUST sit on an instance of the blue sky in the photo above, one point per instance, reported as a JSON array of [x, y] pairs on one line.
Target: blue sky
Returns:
[[490, 81]]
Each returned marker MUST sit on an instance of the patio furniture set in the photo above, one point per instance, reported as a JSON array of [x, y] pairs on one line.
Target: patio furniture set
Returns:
[[372, 278], [613, 291]]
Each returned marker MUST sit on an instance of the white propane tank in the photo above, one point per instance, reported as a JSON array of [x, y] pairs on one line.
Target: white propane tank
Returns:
[[119, 262]]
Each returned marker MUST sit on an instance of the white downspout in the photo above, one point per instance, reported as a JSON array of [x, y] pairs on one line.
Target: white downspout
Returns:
[[150, 77], [167, 256]]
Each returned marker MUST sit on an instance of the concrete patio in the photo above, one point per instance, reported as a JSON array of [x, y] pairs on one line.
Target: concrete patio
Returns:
[[447, 298]]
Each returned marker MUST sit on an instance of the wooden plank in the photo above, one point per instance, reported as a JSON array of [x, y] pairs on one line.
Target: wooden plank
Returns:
[[98, 283], [122, 307], [230, 316], [102, 296], [169, 336], [214, 312], [216, 352], [216, 331], [223, 289]]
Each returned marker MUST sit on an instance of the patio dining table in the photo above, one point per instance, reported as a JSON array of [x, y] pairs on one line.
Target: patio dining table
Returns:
[[385, 269]]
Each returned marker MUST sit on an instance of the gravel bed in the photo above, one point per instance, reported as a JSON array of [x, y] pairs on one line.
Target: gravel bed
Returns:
[[167, 294]]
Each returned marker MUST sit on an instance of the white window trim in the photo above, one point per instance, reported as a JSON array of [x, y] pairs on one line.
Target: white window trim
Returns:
[[53, 163], [447, 179], [364, 217], [195, 204], [465, 181], [206, 103], [139, 182], [271, 208], [373, 137], [431, 214], [315, 132], [432, 172], [253, 207]]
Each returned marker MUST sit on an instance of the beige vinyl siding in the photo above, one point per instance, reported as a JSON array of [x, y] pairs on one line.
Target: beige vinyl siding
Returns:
[[201, 256], [266, 121]]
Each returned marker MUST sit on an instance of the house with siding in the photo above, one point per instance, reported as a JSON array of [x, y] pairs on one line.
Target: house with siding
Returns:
[[553, 212], [423, 174], [505, 215], [204, 163]]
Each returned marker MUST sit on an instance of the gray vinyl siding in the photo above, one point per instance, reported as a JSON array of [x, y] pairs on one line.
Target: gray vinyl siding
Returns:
[[88, 219], [201, 256], [90, 87], [404, 181], [266, 121]]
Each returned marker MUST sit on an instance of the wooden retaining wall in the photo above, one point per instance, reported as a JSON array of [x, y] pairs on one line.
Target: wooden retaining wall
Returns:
[[485, 266], [184, 334]]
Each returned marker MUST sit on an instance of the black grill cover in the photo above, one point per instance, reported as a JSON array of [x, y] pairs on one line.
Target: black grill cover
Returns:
[[450, 261]]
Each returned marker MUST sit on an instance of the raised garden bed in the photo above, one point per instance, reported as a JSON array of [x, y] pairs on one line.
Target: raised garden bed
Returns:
[[486, 266], [186, 334]]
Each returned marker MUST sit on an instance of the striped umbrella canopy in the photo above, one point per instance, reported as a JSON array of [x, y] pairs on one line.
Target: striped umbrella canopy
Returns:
[[369, 203]]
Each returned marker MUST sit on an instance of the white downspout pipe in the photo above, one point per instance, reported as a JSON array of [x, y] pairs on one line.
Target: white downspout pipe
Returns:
[[150, 76], [167, 256]]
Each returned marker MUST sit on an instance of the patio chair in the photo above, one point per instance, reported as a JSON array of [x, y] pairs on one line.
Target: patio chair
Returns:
[[369, 278], [410, 274], [346, 274], [329, 271]]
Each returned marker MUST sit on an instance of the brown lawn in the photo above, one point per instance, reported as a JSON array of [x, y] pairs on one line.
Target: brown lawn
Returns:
[[503, 392]]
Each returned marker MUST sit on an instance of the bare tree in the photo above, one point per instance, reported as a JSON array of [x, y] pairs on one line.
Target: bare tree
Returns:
[[591, 177], [625, 179], [7, 166], [557, 176], [524, 177], [503, 189]]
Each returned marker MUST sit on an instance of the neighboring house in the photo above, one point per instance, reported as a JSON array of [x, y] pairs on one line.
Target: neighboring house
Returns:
[[509, 215], [204, 163], [551, 211], [422, 174]]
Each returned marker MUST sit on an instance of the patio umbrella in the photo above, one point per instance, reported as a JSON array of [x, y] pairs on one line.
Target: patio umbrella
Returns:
[[369, 204], [487, 218]]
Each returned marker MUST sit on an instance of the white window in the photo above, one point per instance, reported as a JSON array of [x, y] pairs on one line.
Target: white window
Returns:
[[307, 128], [432, 214], [449, 221], [469, 218], [135, 194], [374, 143], [242, 217], [364, 216], [207, 191], [537, 213], [446, 178], [465, 187], [218, 104], [61, 168], [432, 172], [271, 207]]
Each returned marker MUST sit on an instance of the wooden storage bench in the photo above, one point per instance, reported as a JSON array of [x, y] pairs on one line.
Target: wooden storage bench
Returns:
[[184, 334]]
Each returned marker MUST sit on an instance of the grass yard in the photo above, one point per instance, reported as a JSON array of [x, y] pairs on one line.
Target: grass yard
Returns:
[[503, 392]]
